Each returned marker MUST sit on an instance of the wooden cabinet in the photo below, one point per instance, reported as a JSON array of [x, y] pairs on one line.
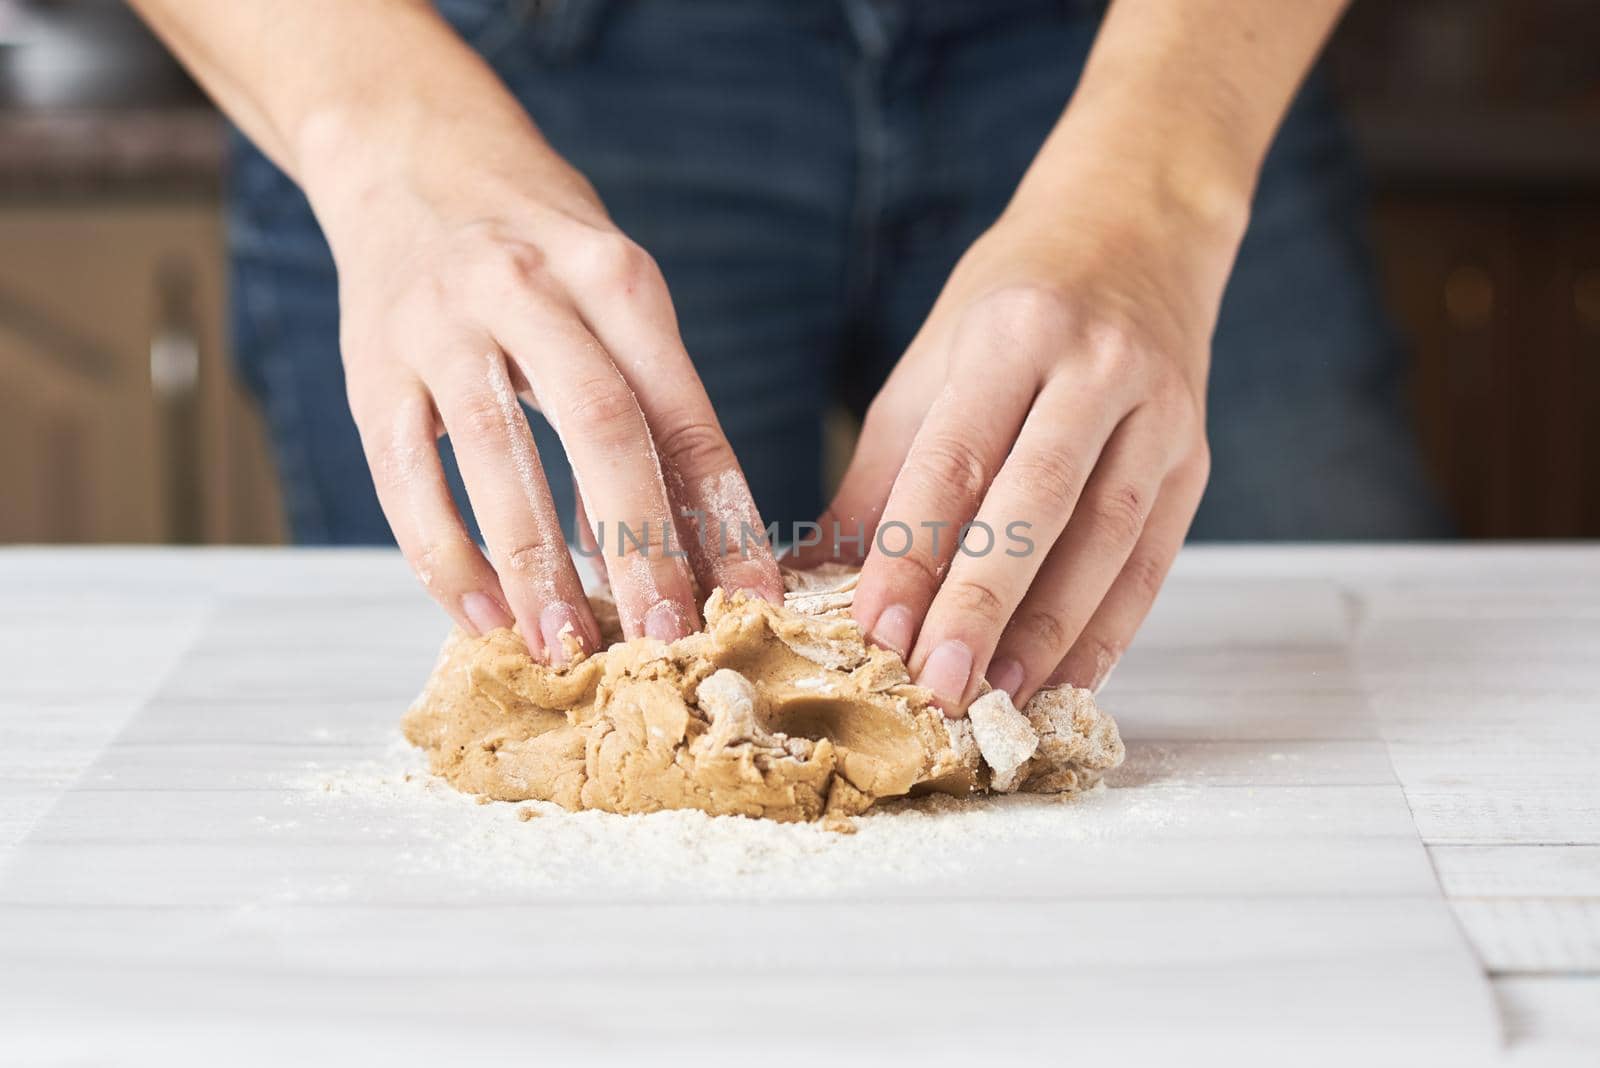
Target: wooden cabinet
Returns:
[[120, 419], [1500, 302], [1478, 122]]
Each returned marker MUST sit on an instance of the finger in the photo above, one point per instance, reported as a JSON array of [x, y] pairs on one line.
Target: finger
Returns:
[[625, 303], [851, 519], [1112, 627], [583, 529], [397, 435], [512, 500], [615, 465], [1081, 566], [957, 450], [1023, 514]]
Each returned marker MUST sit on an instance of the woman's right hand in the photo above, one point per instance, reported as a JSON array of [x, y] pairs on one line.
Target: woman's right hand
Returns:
[[475, 265]]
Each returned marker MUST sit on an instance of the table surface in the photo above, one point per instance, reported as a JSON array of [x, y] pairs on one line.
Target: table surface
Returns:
[[1479, 665]]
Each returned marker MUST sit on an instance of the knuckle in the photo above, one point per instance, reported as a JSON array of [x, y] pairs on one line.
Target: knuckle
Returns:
[[1120, 512], [694, 447], [1145, 575], [1051, 478], [619, 265], [642, 538], [1046, 628], [432, 561], [947, 465], [516, 265], [479, 418], [729, 552], [915, 570], [738, 558], [395, 437], [1027, 311], [527, 557], [1110, 366], [603, 408], [971, 598]]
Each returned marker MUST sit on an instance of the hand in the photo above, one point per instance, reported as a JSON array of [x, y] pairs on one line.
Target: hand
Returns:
[[475, 266], [1056, 395]]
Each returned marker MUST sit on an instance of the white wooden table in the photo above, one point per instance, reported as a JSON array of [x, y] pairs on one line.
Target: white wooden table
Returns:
[[1277, 692]]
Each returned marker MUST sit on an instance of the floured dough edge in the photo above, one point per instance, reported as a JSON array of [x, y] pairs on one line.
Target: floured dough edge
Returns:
[[776, 712]]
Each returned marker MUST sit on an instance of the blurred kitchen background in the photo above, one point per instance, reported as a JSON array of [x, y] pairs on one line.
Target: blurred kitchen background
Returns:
[[120, 419]]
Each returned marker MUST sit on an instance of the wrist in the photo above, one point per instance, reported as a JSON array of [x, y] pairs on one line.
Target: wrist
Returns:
[[1176, 187], [443, 141], [1146, 228], [355, 153]]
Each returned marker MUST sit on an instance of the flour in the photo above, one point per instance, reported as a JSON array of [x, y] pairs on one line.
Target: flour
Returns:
[[1004, 736], [922, 844]]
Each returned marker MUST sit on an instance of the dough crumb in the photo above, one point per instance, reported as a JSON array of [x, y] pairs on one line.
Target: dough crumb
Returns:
[[528, 812], [1005, 737], [772, 712], [839, 824]]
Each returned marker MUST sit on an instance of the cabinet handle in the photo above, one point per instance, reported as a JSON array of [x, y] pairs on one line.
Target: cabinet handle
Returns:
[[175, 381], [174, 362], [1469, 297]]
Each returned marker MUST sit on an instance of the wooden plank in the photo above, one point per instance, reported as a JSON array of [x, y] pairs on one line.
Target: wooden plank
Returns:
[[1243, 709], [1534, 785], [1540, 936], [99, 811], [1030, 1014], [1323, 762], [1472, 816], [431, 871], [1487, 717], [1518, 871]]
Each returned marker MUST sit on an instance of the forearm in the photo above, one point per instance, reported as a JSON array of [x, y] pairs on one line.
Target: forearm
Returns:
[[1182, 98], [336, 92]]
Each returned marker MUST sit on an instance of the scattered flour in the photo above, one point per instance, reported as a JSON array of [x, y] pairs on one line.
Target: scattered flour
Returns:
[[497, 847]]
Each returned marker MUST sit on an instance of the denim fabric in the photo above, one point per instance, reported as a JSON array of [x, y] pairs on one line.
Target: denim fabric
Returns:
[[807, 172]]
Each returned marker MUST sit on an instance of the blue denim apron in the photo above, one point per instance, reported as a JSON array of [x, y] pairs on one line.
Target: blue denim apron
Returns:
[[807, 172]]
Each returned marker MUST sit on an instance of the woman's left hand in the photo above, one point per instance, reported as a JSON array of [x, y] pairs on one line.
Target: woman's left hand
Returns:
[[1056, 396]]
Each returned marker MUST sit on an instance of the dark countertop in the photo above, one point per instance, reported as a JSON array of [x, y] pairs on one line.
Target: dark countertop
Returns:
[[162, 150]]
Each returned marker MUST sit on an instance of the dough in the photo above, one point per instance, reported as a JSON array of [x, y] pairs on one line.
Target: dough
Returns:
[[775, 712]]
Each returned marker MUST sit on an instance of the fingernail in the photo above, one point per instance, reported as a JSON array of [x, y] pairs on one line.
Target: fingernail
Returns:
[[1102, 676], [894, 629], [484, 612], [1005, 675], [559, 626], [665, 622], [1106, 656], [761, 583], [946, 672]]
